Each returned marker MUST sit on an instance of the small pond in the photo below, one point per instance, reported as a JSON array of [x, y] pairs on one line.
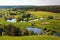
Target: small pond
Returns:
[[35, 30], [12, 20], [39, 31]]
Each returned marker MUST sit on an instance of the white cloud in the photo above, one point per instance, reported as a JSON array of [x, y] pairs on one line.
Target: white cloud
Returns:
[[29, 2]]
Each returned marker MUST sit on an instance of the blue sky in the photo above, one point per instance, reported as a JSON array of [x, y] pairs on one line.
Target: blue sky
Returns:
[[30, 2]]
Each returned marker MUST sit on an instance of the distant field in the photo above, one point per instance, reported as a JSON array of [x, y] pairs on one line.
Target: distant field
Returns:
[[43, 14], [41, 37]]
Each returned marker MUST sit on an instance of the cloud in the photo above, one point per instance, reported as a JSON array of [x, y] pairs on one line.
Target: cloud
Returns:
[[29, 2]]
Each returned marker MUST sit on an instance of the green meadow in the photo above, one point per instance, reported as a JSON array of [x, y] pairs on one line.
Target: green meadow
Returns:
[[36, 37], [53, 25], [43, 14]]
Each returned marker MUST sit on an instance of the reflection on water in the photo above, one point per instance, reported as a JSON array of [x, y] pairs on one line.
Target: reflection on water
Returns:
[[35, 30]]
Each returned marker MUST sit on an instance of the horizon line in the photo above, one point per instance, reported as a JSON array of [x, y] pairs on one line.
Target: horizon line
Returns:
[[29, 5]]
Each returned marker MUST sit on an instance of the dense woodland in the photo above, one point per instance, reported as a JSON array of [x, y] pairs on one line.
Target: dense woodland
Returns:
[[55, 9]]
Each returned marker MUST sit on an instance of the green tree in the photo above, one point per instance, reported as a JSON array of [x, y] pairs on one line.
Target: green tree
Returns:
[[11, 30]]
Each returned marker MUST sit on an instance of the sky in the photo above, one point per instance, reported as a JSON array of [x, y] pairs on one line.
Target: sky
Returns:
[[30, 2]]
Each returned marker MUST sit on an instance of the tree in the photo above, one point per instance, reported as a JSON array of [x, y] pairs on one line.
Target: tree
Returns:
[[11, 30]]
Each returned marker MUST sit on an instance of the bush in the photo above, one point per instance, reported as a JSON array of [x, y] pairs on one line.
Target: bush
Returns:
[[31, 32], [11, 30], [50, 17]]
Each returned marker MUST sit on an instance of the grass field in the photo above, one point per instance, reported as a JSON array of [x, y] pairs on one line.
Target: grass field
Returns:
[[36, 37], [43, 14], [54, 25]]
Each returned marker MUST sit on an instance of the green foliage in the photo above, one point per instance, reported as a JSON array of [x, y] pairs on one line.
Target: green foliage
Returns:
[[11, 30], [31, 32], [50, 17]]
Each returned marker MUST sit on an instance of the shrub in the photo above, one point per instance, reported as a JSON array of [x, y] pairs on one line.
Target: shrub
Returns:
[[50, 17], [31, 32], [11, 30]]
